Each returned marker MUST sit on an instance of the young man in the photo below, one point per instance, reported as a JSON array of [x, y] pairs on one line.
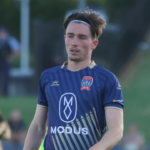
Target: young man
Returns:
[[81, 98]]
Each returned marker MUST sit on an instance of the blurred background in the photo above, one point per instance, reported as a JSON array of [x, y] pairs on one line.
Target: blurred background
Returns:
[[32, 40]]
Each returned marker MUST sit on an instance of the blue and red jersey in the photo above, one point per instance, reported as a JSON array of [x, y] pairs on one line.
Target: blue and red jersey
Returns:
[[76, 104]]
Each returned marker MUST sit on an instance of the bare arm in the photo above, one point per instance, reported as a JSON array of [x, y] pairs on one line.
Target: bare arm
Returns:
[[36, 130], [114, 119]]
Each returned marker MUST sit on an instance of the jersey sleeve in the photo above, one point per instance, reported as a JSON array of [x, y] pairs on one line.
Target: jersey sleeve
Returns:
[[112, 93], [13, 43], [42, 100]]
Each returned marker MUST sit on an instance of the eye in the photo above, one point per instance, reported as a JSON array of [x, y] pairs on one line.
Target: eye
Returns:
[[70, 36], [82, 37]]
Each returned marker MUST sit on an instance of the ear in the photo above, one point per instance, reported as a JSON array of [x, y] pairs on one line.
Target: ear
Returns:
[[95, 43], [64, 36]]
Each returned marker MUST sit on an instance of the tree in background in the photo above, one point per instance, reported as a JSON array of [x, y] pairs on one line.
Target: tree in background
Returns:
[[47, 10], [10, 16], [52, 10]]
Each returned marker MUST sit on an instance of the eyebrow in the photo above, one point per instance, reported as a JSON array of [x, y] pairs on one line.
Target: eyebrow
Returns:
[[78, 34], [70, 33]]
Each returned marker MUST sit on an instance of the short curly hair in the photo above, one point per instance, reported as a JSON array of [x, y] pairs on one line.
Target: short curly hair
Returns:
[[89, 16]]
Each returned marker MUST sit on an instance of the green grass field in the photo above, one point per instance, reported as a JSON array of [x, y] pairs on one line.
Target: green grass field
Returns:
[[136, 96], [26, 106]]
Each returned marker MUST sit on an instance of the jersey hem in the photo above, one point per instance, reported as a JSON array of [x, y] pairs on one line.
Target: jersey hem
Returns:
[[113, 107], [41, 105]]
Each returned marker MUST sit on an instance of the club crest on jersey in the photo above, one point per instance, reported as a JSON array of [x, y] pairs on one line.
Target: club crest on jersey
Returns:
[[86, 83]]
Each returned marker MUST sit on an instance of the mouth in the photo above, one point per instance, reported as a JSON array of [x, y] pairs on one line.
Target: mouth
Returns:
[[74, 51]]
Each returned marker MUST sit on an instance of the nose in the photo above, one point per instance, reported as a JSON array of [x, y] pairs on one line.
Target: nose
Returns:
[[74, 41]]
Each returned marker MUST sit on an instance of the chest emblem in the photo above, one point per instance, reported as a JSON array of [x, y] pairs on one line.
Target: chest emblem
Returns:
[[55, 83], [86, 83], [68, 107]]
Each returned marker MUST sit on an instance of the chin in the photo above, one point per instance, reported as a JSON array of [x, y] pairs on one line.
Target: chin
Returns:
[[74, 59]]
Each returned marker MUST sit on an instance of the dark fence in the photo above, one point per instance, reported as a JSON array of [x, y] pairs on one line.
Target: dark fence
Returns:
[[116, 45]]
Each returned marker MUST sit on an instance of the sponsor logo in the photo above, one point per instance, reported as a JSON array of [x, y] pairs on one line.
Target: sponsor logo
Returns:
[[69, 130], [67, 107], [119, 87], [55, 83], [114, 100], [86, 83], [119, 101]]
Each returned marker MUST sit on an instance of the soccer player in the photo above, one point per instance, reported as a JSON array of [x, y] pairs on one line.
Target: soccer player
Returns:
[[82, 99]]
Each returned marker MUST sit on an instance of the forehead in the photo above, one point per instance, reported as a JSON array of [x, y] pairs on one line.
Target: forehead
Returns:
[[78, 28]]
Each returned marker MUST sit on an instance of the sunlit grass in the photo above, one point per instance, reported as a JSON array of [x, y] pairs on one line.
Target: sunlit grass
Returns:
[[136, 96], [26, 106], [137, 99]]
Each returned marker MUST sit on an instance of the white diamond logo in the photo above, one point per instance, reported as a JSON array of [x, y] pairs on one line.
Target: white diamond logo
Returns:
[[68, 107]]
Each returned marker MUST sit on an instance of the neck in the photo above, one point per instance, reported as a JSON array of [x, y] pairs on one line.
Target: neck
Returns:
[[76, 66]]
